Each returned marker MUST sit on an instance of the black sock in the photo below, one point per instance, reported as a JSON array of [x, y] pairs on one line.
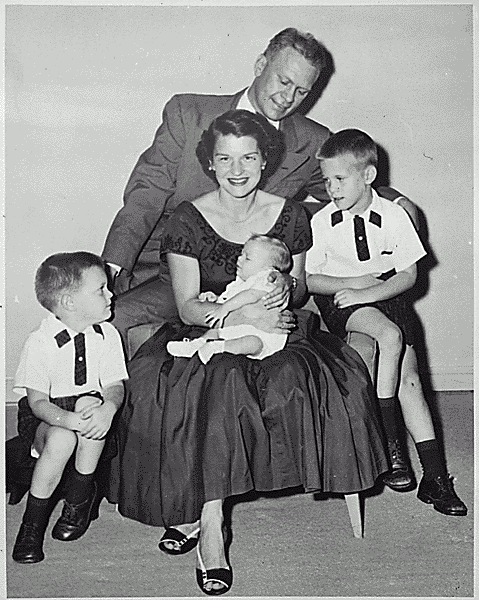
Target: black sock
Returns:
[[388, 409], [37, 510], [78, 487], [432, 461]]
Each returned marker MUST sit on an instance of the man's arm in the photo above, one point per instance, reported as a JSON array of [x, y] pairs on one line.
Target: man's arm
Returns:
[[151, 184], [391, 194]]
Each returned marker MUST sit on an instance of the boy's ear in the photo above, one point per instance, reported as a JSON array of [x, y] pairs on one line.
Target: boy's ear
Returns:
[[370, 174], [66, 302]]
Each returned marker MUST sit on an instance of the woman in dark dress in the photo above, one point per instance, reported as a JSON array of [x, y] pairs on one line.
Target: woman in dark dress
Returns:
[[191, 434]]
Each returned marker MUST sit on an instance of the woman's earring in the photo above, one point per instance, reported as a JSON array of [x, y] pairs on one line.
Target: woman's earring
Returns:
[[210, 168]]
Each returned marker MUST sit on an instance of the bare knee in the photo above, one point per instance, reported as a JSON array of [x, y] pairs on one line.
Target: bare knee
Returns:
[[87, 401], [390, 339], [255, 344], [60, 442]]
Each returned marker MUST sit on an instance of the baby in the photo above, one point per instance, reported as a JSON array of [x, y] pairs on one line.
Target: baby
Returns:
[[261, 255]]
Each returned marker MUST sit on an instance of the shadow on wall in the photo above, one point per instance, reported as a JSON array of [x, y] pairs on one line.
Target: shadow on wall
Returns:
[[319, 86]]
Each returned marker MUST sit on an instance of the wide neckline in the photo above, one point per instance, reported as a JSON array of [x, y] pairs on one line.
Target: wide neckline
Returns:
[[237, 243]]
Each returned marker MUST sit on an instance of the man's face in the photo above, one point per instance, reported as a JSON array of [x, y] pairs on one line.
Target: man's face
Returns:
[[281, 83]]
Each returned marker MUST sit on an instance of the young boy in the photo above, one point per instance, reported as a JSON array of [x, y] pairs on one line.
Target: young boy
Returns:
[[72, 370], [362, 262], [260, 256]]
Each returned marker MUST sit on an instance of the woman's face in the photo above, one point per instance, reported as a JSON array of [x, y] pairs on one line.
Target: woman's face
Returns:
[[237, 163]]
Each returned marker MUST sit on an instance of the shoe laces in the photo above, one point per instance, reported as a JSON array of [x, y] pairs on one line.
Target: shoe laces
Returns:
[[69, 512], [445, 483], [29, 532], [396, 452]]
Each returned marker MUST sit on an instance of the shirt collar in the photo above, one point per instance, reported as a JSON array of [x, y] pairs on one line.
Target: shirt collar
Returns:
[[347, 215], [51, 325], [245, 104]]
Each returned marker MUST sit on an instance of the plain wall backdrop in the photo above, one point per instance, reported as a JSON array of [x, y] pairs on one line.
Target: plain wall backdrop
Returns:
[[85, 87]]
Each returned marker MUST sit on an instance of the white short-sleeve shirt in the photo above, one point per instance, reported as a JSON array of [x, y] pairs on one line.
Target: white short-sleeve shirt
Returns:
[[392, 241], [49, 368]]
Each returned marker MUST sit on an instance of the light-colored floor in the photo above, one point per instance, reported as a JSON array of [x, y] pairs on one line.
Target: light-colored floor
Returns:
[[289, 545]]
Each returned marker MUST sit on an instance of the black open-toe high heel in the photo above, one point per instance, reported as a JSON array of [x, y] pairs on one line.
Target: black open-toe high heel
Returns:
[[220, 575], [184, 543]]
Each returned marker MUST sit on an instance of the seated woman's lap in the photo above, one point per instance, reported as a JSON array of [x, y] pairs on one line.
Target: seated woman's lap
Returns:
[[204, 432]]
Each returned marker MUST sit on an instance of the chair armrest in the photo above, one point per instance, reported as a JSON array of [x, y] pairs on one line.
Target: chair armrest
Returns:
[[138, 335]]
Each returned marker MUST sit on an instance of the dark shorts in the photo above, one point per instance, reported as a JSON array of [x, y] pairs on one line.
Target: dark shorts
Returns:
[[27, 422], [397, 309]]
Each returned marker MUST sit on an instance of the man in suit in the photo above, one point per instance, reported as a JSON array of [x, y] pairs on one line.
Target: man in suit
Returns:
[[169, 172]]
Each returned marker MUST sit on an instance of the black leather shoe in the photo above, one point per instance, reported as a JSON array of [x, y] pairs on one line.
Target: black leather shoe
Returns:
[[76, 518], [440, 493], [28, 546], [400, 477]]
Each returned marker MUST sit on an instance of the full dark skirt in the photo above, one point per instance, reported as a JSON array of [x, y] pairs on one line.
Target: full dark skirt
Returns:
[[190, 433]]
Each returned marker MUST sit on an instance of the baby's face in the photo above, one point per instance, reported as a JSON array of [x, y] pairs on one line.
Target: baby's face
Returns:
[[255, 257]]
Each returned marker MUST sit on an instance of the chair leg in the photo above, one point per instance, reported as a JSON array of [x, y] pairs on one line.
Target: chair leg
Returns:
[[354, 508]]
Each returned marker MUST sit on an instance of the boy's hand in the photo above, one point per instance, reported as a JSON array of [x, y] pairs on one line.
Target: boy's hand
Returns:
[[349, 297], [216, 315], [279, 297], [207, 297], [97, 420]]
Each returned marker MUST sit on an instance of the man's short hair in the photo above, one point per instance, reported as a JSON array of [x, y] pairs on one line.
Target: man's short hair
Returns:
[[280, 254], [304, 43], [62, 273], [350, 141]]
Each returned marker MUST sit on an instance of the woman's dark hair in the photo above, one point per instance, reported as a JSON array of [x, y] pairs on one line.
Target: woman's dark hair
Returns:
[[241, 123]]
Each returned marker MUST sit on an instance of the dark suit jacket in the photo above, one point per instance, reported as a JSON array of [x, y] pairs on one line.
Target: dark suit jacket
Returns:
[[169, 172]]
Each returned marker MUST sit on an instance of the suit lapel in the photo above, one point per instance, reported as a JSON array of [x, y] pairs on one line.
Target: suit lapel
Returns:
[[294, 156]]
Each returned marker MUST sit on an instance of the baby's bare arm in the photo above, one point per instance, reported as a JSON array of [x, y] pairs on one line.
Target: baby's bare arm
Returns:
[[216, 316]]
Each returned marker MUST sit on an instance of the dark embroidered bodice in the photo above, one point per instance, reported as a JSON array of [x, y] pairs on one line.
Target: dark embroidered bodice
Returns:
[[189, 233]]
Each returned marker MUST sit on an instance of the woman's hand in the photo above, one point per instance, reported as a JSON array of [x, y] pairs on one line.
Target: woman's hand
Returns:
[[270, 320], [279, 297]]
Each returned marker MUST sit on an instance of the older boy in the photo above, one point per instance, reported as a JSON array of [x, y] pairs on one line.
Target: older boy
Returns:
[[362, 262], [72, 370]]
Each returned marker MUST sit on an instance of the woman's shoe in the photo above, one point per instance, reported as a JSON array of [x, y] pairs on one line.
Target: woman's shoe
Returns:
[[220, 575], [183, 542]]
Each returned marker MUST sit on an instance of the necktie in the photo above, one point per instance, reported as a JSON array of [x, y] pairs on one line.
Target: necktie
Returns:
[[361, 239], [80, 359]]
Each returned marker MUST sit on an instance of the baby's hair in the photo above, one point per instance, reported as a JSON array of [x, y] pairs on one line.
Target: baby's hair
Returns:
[[60, 273], [280, 254], [350, 141]]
